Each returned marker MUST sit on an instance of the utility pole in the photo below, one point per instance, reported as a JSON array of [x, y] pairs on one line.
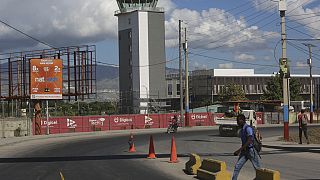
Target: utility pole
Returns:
[[48, 125], [180, 75], [187, 76], [284, 68], [311, 83]]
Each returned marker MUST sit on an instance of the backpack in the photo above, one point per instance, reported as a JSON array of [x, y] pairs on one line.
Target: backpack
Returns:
[[257, 139], [304, 119]]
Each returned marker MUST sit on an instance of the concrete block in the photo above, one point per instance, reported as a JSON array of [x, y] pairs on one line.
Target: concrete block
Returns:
[[213, 165], [193, 164], [206, 175], [267, 174], [213, 169]]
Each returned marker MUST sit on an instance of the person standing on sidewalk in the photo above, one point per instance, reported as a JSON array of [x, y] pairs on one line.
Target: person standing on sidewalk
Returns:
[[303, 121], [246, 151]]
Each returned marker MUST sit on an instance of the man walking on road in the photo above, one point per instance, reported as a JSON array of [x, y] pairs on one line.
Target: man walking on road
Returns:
[[303, 121], [246, 151]]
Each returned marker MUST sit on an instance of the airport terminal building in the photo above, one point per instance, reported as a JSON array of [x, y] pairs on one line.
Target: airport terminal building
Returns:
[[205, 85]]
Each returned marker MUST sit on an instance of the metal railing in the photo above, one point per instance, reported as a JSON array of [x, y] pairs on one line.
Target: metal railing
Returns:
[[130, 9]]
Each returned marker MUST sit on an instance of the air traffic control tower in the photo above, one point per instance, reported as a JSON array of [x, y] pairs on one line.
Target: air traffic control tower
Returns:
[[142, 59]]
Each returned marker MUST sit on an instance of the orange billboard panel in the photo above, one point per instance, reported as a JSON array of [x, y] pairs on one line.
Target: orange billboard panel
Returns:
[[46, 78]]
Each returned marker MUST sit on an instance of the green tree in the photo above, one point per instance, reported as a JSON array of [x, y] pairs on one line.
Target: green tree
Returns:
[[274, 89], [232, 92]]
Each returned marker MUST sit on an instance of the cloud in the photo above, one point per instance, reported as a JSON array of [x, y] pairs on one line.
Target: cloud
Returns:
[[60, 23], [245, 57], [226, 66], [214, 28], [57, 22], [168, 5], [301, 65], [298, 12]]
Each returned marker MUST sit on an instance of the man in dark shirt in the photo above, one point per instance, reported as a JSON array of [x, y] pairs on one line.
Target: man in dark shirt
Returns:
[[246, 151], [303, 121]]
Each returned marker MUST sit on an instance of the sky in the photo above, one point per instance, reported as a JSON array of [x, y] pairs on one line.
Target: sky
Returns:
[[221, 33]]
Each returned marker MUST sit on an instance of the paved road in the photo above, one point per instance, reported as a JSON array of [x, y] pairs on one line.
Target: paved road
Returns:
[[106, 157]]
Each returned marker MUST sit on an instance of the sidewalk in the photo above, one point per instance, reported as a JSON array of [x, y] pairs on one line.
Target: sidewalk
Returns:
[[22, 139], [276, 143]]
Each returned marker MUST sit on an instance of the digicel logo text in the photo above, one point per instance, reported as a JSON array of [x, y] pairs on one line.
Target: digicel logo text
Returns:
[[122, 120]]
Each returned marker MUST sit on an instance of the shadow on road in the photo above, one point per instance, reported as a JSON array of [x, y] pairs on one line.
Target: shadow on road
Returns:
[[96, 158], [213, 141], [294, 149]]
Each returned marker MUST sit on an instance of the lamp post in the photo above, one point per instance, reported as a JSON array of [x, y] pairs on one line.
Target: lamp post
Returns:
[[284, 68]]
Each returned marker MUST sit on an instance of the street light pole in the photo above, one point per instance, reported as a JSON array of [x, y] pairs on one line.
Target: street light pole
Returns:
[[284, 67], [186, 78], [180, 75], [311, 82]]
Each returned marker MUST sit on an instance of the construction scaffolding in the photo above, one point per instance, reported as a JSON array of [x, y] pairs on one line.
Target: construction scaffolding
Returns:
[[79, 75]]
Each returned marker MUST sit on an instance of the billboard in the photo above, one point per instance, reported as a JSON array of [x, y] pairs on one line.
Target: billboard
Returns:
[[46, 78]]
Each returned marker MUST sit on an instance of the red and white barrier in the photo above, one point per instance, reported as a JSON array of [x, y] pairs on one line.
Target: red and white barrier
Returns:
[[69, 124]]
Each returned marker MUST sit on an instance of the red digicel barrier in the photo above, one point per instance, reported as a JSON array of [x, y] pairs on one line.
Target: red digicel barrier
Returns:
[[121, 122], [70, 124], [200, 119]]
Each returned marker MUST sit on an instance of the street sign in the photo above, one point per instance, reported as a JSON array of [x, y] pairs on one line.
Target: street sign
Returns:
[[46, 78]]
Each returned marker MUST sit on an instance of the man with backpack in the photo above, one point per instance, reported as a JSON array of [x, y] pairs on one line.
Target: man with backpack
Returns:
[[303, 121], [247, 151]]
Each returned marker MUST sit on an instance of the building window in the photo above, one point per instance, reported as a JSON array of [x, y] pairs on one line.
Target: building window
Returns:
[[130, 62], [169, 89], [129, 21], [130, 48], [178, 89], [130, 34]]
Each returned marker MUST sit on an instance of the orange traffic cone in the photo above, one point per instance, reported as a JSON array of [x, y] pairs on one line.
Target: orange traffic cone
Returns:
[[173, 157], [131, 144], [151, 154]]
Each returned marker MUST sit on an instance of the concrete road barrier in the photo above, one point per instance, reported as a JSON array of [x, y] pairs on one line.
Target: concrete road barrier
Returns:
[[213, 169], [267, 174], [193, 164]]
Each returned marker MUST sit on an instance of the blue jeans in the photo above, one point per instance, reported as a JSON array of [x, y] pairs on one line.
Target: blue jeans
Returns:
[[250, 154]]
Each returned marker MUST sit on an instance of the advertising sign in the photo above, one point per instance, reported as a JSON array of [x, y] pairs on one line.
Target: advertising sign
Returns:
[[46, 78]]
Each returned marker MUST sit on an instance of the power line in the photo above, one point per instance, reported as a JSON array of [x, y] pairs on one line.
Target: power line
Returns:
[[229, 10], [306, 25], [293, 20], [248, 20], [290, 39], [305, 14], [228, 60], [109, 64], [155, 64], [303, 50], [299, 31], [297, 7], [33, 38], [248, 27]]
